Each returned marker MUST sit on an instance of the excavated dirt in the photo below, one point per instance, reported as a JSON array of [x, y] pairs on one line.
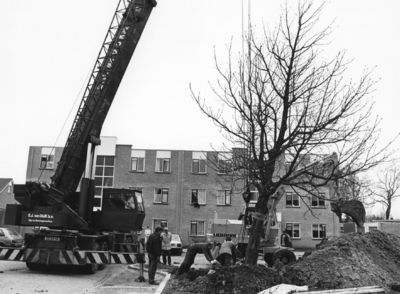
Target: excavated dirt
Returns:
[[235, 279], [354, 260]]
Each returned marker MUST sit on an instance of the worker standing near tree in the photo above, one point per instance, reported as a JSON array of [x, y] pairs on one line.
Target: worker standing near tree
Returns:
[[153, 247], [227, 253], [166, 237], [286, 241], [191, 254]]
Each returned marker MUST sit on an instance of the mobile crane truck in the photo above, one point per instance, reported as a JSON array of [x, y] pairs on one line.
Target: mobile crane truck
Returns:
[[77, 235]]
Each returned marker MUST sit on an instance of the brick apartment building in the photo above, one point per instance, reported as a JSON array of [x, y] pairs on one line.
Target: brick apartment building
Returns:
[[172, 181]]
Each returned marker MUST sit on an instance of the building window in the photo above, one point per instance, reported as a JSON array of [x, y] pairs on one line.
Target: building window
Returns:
[[293, 230], [224, 197], [163, 223], [292, 199], [47, 158], [160, 195], [163, 161], [318, 231], [199, 162], [198, 196], [318, 201], [104, 178], [224, 163], [137, 160], [197, 228]]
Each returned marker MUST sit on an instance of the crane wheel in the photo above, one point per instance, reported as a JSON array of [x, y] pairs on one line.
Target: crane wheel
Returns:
[[35, 266], [285, 256]]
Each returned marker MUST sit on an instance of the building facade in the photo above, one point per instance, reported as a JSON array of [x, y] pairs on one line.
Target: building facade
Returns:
[[183, 192], [6, 196]]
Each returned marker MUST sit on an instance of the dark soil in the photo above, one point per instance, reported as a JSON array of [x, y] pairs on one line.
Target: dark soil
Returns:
[[353, 260], [234, 279]]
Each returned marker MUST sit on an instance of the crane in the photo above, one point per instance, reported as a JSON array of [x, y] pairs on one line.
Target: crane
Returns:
[[76, 234]]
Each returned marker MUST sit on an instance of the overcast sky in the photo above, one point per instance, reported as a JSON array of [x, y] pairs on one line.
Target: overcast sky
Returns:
[[49, 47]]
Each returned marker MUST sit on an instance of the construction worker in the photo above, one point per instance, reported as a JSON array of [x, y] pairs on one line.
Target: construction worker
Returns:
[[166, 237], [191, 254], [153, 247], [227, 252], [286, 241]]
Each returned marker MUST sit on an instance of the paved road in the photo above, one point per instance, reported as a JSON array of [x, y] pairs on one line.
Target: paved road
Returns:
[[16, 278]]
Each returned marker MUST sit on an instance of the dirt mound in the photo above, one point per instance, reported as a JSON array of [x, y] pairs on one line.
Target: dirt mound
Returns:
[[353, 260], [235, 279]]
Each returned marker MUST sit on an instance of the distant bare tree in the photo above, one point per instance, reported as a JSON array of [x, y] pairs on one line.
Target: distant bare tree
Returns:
[[287, 108], [387, 186], [359, 188]]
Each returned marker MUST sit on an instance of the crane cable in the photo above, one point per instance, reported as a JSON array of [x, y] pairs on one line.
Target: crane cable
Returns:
[[242, 232], [69, 114]]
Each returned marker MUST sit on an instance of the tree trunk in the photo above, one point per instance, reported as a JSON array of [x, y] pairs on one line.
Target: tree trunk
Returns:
[[254, 241], [388, 211]]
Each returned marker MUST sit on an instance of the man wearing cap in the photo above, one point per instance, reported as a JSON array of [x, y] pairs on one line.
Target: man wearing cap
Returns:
[[166, 237]]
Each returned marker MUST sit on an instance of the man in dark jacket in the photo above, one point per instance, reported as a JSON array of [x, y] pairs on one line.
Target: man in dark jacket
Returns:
[[153, 248], [191, 254], [286, 241], [227, 252]]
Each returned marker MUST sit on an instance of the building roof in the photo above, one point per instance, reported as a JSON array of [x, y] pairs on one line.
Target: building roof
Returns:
[[4, 183]]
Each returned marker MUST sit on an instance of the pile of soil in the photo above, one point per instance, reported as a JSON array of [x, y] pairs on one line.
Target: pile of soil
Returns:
[[234, 279], [353, 260]]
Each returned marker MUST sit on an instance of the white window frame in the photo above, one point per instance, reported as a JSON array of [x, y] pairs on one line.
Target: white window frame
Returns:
[[199, 200], [161, 221], [199, 158], [225, 163], [319, 226], [292, 194], [103, 178], [198, 223], [320, 199], [222, 194], [162, 190], [138, 155], [294, 225], [47, 158], [163, 161]]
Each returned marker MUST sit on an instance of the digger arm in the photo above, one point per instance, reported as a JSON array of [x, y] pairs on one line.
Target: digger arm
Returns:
[[354, 208]]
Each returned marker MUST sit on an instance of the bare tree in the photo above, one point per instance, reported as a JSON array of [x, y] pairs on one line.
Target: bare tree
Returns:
[[358, 188], [387, 187], [287, 107]]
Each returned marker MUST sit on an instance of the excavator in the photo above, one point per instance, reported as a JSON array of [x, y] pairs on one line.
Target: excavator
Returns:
[[270, 249], [75, 234]]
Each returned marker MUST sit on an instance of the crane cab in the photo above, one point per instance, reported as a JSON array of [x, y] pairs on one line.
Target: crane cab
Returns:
[[122, 210]]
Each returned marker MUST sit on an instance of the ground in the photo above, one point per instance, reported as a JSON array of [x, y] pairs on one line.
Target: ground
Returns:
[[353, 260]]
